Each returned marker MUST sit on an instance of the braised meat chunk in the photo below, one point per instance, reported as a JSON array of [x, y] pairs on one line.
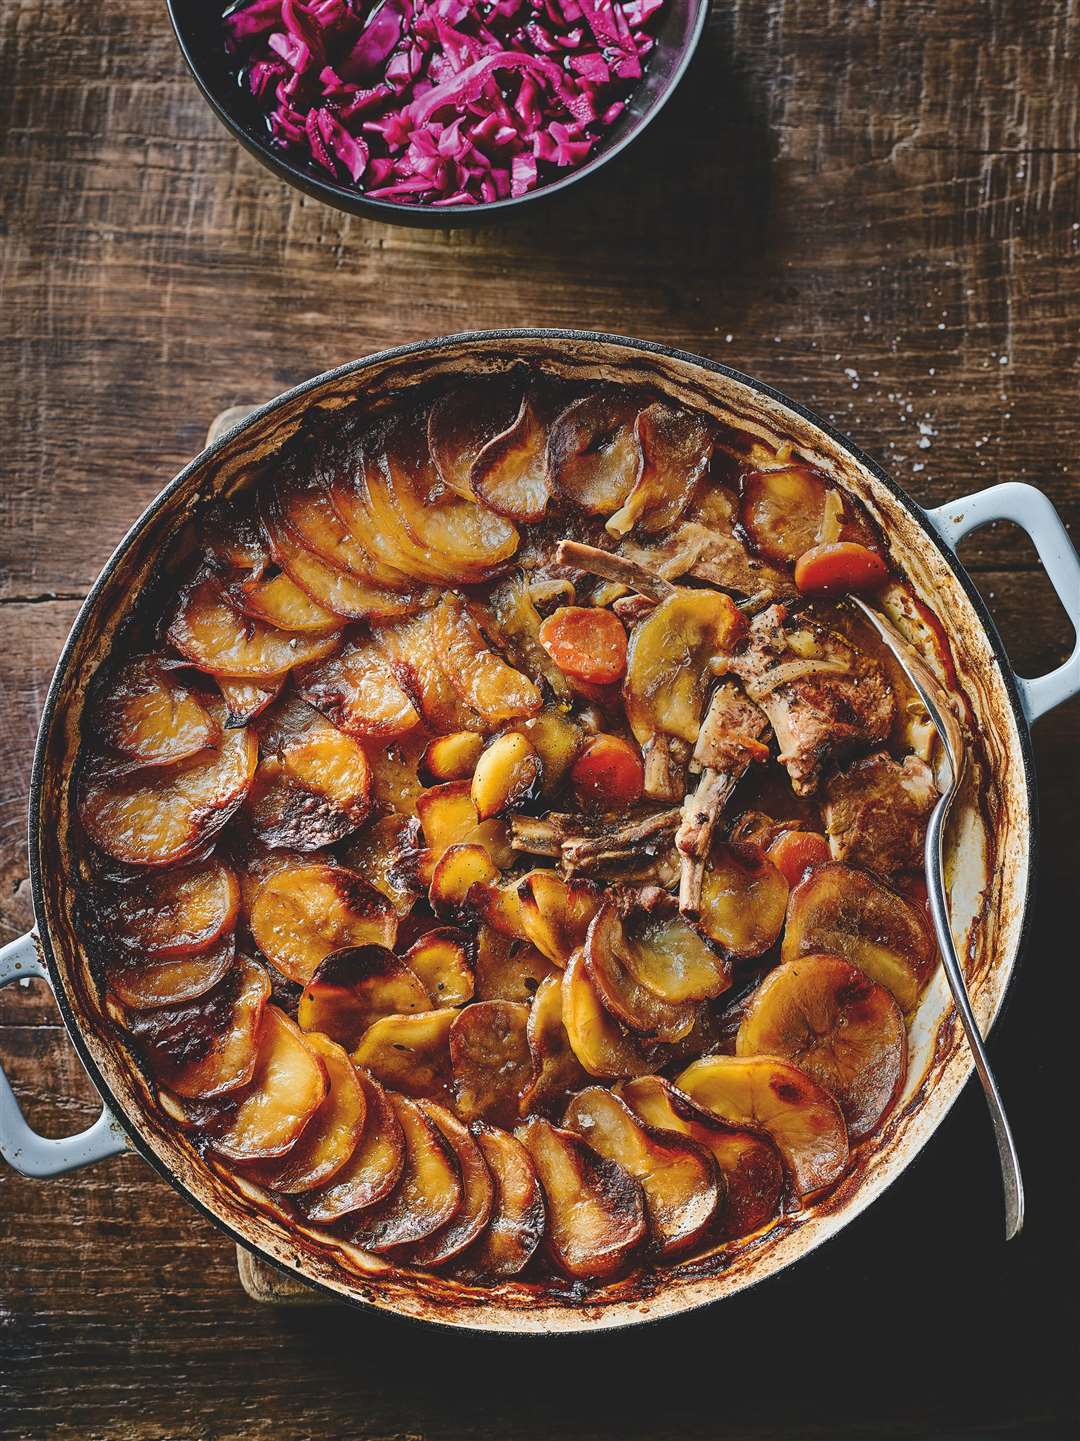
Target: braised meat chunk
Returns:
[[876, 812]]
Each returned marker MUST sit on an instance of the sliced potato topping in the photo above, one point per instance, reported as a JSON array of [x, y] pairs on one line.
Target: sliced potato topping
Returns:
[[507, 774], [410, 1053], [354, 988], [313, 517], [743, 900], [604, 1048], [244, 700], [676, 448], [635, 1005], [594, 455], [455, 873], [287, 1087], [668, 957], [447, 814], [477, 1192], [667, 671], [172, 913], [510, 474], [415, 655], [281, 602], [489, 1050], [508, 969], [375, 1166], [149, 718], [556, 914], [313, 793], [330, 1138], [516, 1227], [494, 690], [453, 757], [464, 420], [215, 636], [379, 852], [359, 692], [302, 913], [427, 1195], [442, 961], [556, 1071], [143, 981]]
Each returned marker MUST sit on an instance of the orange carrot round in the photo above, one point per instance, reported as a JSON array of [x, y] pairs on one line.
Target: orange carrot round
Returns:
[[608, 773], [839, 567], [586, 643]]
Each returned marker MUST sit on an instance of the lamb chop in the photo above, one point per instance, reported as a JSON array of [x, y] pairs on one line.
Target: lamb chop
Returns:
[[876, 812]]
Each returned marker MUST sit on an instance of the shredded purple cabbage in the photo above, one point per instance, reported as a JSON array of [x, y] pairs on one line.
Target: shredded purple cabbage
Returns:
[[440, 102]]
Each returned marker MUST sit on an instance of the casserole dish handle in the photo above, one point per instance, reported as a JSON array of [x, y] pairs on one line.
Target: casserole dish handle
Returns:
[[21, 1146], [1030, 509]]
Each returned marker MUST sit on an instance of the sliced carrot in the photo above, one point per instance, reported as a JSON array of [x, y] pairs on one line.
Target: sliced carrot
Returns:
[[608, 773], [795, 852], [586, 642], [841, 566]]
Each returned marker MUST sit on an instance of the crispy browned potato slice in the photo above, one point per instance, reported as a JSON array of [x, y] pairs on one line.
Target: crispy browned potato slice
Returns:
[[159, 816], [427, 1195], [620, 993], [302, 913], [366, 505], [464, 420], [846, 912], [518, 1215], [412, 650], [354, 988], [507, 775], [380, 853], [743, 900], [315, 521], [287, 1087], [282, 603], [556, 914], [447, 815], [477, 1192], [508, 969], [510, 474], [143, 981], [331, 1136], [150, 719], [442, 961], [683, 1190], [667, 956], [489, 1050], [749, 1164], [454, 875], [667, 664], [839, 1026], [172, 913], [595, 1209], [373, 1169], [313, 793], [604, 1048], [359, 692], [209, 630], [593, 454], [676, 446], [766, 1093], [494, 690], [410, 1053], [556, 1071], [244, 700], [452, 757]]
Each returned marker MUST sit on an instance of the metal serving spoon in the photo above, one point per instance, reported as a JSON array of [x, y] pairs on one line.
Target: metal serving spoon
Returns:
[[936, 701]]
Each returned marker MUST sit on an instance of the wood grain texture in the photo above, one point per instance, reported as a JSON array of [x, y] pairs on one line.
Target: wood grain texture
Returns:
[[875, 206]]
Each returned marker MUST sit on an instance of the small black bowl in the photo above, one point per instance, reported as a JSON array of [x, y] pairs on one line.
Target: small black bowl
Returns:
[[199, 30]]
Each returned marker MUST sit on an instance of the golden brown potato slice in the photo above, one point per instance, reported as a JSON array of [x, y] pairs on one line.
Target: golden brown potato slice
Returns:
[[676, 447], [302, 913], [410, 1053], [245, 701], [412, 650], [375, 1166], [313, 793], [352, 989], [494, 690], [464, 420], [209, 630], [837, 1025], [595, 1209], [427, 1195], [743, 900], [331, 1136], [159, 816], [453, 757], [516, 1226], [604, 1048], [489, 1050], [395, 784], [454, 875], [380, 854], [749, 1164], [556, 1071], [366, 506], [442, 961], [556, 914], [358, 691], [510, 474], [287, 1087], [668, 957], [447, 815], [143, 981], [683, 1191], [313, 519], [630, 1002], [782, 509], [594, 455], [766, 1093], [507, 775], [150, 719], [280, 602], [477, 1192], [174, 912], [846, 912], [667, 665], [508, 969]]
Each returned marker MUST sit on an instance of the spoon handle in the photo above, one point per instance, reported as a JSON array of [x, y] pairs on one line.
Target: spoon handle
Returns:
[[1011, 1178]]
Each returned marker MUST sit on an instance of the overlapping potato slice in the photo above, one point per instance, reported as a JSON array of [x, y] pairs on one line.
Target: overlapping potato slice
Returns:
[[303, 912], [150, 719], [215, 636], [556, 1071], [837, 1025], [375, 1166], [786, 509], [358, 690], [454, 875], [604, 1048], [847, 912], [743, 900], [516, 1226], [494, 690], [158, 816], [489, 1050], [508, 969], [676, 447], [441, 959], [412, 650], [477, 1192], [507, 775], [354, 988], [380, 854], [313, 793], [555, 913], [668, 957], [244, 700], [510, 474], [594, 454], [280, 602], [172, 913], [287, 1087], [427, 1195], [452, 757], [558, 740], [311, 517], [766, 1093], [667, 665], [331, 1137], [749, 1164], [144, 981], [395, 784], [467, 418], [411, 1053], [595, 1209], [682, 1188], [447, 815], [636, 1006]]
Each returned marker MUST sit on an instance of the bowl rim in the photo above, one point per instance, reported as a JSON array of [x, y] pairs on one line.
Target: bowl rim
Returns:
[[859, 1202], [356, 202]]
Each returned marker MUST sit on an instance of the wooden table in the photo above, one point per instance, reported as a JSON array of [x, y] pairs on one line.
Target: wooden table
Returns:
[[874, 205]]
